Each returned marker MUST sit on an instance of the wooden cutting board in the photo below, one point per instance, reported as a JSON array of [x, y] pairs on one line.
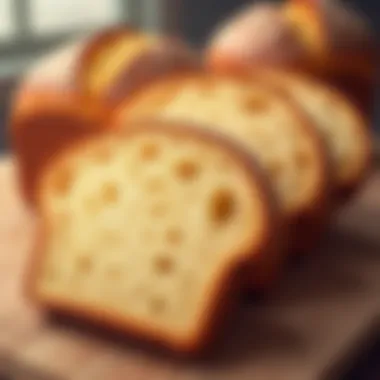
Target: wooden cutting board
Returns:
[[322, 312]]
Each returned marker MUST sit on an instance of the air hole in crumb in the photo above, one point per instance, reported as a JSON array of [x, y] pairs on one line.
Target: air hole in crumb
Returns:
[[256, 104], [84, 264], [187, 170], [222, 206], [110, 193], [63, 182], [159, 209], [149, 151], [157, 305], [163, 264], [114, 273], [174, 236]]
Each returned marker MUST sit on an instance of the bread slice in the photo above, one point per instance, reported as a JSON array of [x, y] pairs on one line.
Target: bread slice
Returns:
[[341, 124], [266, 123], [145, 230], [119, 60]]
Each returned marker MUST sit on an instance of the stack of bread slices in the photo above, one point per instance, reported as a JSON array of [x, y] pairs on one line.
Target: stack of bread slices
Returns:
[[165, 182]]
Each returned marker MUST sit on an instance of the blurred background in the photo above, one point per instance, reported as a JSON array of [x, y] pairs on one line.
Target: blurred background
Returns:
[[30, 28]]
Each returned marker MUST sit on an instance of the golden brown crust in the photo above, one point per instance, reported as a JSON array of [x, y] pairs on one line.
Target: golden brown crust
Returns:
[[348, 53], [97, 43], [93, 48], [158, 57], [230, 279], [48, 94], [255, 36], [334, 43], [167, 56], [42, 126]]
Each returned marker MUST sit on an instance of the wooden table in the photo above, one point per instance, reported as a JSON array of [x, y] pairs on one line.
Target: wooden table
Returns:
[[324, 311]]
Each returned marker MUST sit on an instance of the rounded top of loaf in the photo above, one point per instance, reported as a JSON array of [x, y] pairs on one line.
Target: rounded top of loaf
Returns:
[[313, 35]]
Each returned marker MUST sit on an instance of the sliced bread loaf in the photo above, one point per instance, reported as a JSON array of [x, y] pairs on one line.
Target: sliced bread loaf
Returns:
[[119, 60], [145, 230], [259, 118], [46, 100], [341, 124], [81, 80]]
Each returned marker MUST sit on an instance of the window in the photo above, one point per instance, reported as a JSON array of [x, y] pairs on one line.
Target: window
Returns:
[[52, 16], [28, 28], [7, 27]]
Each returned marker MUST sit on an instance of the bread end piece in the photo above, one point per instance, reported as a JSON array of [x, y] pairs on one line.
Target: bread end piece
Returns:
[[119, 60], [41, 129]]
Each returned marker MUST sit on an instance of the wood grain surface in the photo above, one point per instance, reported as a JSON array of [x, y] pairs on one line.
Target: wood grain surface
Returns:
[[322, 312]]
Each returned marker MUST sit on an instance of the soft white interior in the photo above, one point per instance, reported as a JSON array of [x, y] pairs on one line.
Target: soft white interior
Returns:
[[263, 122], [142, 227], [339, 124]]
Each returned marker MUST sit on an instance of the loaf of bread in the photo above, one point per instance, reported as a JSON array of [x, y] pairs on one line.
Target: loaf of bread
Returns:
[[74, 83], [340, 123], [327, 38], [149, 229], [47, 92], [256, 35], [343, 42], [119, 60], [262, 120]]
